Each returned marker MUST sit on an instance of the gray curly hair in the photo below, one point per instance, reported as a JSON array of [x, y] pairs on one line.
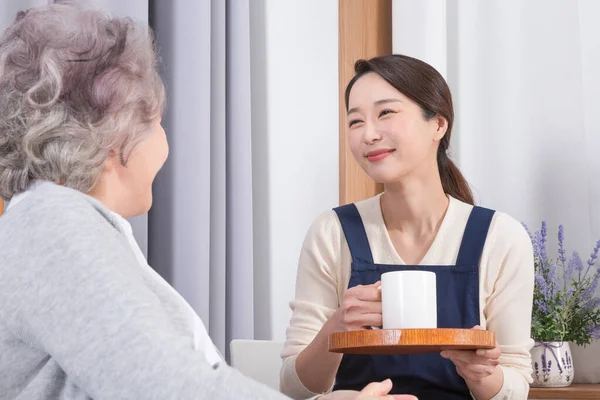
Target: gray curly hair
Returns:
[[74, 84]]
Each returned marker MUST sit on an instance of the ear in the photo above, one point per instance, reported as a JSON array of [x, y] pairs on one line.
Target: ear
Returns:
[[440, 125], [112, 161]]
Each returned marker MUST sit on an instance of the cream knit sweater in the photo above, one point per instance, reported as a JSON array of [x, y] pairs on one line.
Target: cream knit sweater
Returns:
[[505, 285]]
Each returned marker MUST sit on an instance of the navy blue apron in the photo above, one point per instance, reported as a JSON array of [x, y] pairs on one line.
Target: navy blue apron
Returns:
[[427, 376]]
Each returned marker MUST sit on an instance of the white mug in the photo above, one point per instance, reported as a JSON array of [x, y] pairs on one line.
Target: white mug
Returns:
[[409, 299]]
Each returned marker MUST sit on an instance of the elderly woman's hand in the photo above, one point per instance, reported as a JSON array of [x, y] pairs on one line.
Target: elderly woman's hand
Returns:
[[374, 391]]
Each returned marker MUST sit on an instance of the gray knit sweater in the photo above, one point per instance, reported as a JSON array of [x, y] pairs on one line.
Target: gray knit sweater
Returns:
[[79, 319]]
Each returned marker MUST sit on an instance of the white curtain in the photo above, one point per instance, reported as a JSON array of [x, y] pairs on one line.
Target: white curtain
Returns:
[[526, 86]]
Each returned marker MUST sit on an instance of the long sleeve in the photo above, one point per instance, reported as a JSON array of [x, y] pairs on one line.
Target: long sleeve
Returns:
[[505, 285], [510, 278], [316, 298], [71, 289]]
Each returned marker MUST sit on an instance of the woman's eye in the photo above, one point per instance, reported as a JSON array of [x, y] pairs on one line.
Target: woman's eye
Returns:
[[354, 122], [386, 112]]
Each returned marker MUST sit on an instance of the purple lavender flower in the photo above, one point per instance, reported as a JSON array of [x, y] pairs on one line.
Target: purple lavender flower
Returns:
[[574, 264], [578, 292], [594, 255], [552, 279], [549, 287], [592, 304], [541, 284], [589, 292], [543, 235], [594, 331], [542, 306], [561, 247], [578, 266], [537, 239]]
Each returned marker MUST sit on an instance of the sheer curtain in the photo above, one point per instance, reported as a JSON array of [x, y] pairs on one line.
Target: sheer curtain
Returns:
[[524, 76]]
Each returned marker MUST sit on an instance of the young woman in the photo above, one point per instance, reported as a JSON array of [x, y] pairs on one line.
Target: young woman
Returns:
[[400, 118]]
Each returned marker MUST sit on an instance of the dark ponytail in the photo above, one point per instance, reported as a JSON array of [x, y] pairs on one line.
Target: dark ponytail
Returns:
[[424, 85], [453, 182]]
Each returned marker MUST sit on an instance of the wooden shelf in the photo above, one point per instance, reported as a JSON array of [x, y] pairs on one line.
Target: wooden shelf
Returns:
[[574, 392]]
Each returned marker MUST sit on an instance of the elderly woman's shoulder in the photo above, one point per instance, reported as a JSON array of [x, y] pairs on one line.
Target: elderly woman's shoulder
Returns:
[[48, 196], [52, 209]]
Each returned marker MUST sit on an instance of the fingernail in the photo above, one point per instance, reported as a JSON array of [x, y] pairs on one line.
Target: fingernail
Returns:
[[481, 353], [444, 354]]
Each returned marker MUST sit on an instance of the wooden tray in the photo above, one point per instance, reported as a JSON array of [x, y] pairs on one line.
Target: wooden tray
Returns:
[[410, 341]]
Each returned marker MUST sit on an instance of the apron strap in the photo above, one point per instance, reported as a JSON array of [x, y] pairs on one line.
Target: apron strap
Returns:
[[474, 237], [355, 233]]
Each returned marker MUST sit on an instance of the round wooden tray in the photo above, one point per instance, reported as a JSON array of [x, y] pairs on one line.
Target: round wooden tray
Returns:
[[410, 341]]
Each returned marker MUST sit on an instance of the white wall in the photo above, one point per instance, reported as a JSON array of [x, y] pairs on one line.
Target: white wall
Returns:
[[295, 142]]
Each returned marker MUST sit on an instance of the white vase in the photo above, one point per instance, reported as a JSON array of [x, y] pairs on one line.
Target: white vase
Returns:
[[552, 364]]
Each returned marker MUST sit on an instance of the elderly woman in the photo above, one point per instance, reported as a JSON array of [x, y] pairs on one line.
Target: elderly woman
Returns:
[[82, 315]]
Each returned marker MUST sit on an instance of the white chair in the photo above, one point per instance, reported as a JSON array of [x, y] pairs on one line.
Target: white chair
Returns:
[[257, 359]]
